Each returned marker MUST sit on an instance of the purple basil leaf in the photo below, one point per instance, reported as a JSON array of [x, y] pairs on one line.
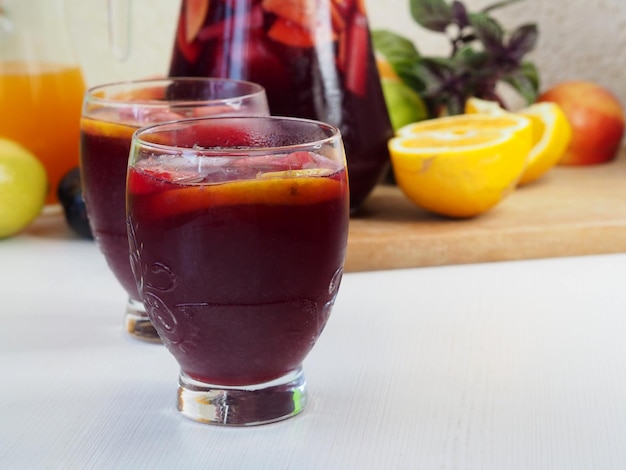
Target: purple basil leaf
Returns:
[[459, 12], [522, 41]]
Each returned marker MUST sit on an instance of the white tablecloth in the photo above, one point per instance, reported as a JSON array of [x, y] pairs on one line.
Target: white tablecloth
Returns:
[[516, 365]]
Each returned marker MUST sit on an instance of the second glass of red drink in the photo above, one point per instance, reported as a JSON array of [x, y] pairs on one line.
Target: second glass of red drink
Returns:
[[238, 229], [111, 113]]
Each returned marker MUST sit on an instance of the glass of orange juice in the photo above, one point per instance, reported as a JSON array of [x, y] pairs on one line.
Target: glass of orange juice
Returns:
[[41, 85]]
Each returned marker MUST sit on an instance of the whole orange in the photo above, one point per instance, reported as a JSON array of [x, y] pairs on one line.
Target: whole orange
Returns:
[[596, 117]]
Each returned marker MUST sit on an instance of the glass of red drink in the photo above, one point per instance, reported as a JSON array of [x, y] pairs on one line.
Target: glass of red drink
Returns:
[[111, 113], [237, 229]]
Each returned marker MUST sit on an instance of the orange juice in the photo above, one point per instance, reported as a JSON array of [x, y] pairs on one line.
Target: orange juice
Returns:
[[40, 106]]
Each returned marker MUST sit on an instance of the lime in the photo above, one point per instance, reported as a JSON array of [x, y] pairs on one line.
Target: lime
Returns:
[[404, 105], [23, 187]]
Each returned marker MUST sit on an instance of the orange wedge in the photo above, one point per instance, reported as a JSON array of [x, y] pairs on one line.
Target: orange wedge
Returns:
[[551, 133], [479, 106], [551, 137]]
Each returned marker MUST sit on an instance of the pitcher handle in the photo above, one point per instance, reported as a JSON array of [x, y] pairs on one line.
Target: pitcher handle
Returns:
[[119, 16]]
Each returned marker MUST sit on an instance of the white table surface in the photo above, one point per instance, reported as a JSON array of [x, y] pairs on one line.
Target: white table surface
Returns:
[[515, 365]]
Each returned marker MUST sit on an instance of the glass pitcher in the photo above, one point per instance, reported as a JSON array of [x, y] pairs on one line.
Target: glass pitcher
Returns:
[[41, 84], [314, 58]]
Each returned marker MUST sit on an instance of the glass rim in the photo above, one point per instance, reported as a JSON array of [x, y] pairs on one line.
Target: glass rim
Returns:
[[334, 133], [92, 98]]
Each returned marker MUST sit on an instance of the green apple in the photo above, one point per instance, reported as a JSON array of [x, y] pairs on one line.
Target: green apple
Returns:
[[23, 187]]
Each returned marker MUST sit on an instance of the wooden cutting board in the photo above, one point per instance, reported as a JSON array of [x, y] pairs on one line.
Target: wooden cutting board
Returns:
[[570, 211]]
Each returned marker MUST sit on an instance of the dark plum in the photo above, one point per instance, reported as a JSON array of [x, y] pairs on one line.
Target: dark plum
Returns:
[[70, 194]]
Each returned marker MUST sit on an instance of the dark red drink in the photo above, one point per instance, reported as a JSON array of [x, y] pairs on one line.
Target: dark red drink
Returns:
[[239, 277], [104, 148], [111, 114], [314, 59]]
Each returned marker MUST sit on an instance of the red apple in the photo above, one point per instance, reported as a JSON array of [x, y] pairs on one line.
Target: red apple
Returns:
[[597, 120]]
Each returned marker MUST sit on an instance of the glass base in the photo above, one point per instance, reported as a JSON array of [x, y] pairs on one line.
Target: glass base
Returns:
[[242, 406], [138, 324]]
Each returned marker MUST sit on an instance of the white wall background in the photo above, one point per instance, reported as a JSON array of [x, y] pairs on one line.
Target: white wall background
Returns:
[[578, 39]]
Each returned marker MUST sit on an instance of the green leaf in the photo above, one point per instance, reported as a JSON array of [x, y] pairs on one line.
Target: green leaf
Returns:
[[529, 70], [435, 15], [401, 54], [394, 46], [525, 81], [488, 31], [411, 74], [456, 104], [472, 58], [482, 55], [495, 6]]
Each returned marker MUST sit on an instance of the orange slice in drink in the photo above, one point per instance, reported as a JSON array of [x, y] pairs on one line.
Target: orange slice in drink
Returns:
[[106, 128], [292, 187]]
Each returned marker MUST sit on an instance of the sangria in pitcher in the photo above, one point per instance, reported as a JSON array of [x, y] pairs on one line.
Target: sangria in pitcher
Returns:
[[314, 58]]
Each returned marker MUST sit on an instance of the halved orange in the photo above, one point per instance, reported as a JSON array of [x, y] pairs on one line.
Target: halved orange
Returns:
[[464, 122], [459, 171]]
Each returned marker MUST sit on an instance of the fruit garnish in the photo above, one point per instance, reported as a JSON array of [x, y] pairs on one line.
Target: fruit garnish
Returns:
[[357, 47], [297, 173], [482, 55], [292, 34], [195, 13], [289, 190], [190, 24], [301, 12], [299, 23], [187, 183], [459, 171], [23, 185], [306, 24], [106, 128]]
